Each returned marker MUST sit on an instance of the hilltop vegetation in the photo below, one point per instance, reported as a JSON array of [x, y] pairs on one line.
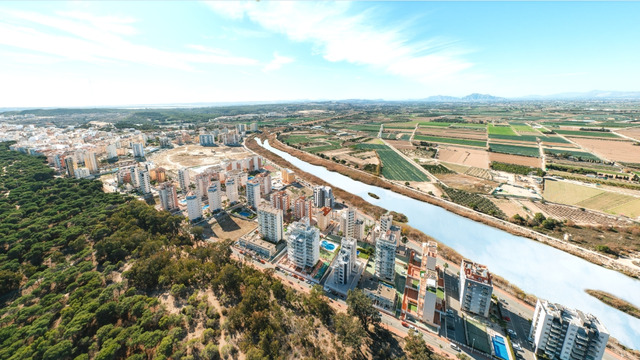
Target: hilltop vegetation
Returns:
[[90, 275]]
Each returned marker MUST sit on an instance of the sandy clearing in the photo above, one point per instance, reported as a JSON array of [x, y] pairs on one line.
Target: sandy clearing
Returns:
[[196, 155], [514, 159], [614, 150], [632, 132], [464, 156]]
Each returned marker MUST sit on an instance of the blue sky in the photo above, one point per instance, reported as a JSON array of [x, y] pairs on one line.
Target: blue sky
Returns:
[[125, 53]]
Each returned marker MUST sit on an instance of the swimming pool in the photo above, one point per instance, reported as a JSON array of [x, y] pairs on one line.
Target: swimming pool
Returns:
[[500, 348], [327, 245], [244, 213]]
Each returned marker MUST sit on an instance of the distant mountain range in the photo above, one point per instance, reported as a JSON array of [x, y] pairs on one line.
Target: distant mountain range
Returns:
[[589, 95]]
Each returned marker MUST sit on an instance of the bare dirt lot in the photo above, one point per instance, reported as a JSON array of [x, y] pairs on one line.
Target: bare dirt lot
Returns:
[[401, 144], [228, 227], [464, 156], [196, 155], [515, 159], [614, 150], [633, 132], [467, 183]]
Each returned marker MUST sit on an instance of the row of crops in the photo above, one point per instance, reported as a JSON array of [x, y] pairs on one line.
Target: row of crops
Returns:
[[515, 150], [474, 201]]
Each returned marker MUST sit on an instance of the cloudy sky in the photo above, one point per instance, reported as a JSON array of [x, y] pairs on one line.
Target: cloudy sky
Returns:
[[121, 53]]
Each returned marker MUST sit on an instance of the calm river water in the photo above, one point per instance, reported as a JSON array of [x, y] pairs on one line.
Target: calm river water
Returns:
[[536, 268]]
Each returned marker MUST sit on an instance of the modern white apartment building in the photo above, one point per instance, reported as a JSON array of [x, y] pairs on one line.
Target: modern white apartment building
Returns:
[[270, 223], [475, 288], [206, 140], [323, 196], [183, 179], [385, 261], [144, 182], [112, 151], [386, 221], [253, 193], [344, 264], [81, 173], [428, 290], [231, 185], [90, 162], [280, 200], [303, 244], [567, 334], [138, 150], [134, 173], [168, 196], [214, 194], [254, 127], [348, 222], [202, 184], [194, 206], [359, 230]]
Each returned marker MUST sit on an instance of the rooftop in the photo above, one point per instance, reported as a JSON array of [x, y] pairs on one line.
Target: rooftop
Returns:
[[476, 272]]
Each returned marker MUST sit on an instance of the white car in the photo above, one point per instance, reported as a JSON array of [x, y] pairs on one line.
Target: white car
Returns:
[[454, 346]]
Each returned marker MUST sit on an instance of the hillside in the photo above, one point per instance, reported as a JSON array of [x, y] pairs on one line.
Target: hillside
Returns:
[[90, 275]]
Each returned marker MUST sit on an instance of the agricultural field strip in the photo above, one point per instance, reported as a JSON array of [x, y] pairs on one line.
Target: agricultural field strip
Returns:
[[596, 134], [515, 149], [582, 154], [394, 166], [501, 130], [445, 140], [530, 138]]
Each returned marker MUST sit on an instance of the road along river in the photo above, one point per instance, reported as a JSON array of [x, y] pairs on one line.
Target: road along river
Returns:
[[536, 268]]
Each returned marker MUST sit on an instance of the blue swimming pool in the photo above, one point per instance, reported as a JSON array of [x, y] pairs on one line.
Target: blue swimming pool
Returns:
[[500, 348], [327, 245], [205, 207]]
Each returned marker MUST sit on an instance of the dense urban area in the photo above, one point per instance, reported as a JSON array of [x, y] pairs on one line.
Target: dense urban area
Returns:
[[182, 234]]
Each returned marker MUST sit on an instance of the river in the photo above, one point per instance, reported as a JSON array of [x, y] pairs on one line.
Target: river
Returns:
[[534, 267]]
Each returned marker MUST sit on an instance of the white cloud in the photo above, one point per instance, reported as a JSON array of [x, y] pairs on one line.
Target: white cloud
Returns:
[[340, 36], [89, 38], [277, 62]]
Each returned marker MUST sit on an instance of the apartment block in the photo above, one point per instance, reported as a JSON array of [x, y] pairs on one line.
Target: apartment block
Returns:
[[280, 200], [567, 334], [270, 223], [303, 244], [385, 260], [184, 179], [475, 288], [253, 193], [288, 176], [206, 140], [168, 196], [138, 150], [214, 195], [344, 264], [194, 206], [323, 196], [231, 184]]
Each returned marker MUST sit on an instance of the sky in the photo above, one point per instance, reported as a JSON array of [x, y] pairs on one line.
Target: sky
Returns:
[[75, 54]]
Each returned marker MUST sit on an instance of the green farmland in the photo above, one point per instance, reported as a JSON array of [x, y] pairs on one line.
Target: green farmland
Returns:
[[501, 130], [450, 140], [519, 127], [515, 150], [317, 149], [298, 139], [530, 138], [601, 134], [394, 166]]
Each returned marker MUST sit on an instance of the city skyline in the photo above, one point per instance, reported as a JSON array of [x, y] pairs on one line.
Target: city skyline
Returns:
[[90, 54]]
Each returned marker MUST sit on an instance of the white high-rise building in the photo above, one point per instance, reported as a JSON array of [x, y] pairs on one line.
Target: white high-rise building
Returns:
[[475, 288], [202, 184], [168, 196], [253, 193], [344, 264], [303, 244], [138, 150], [427, 296], [71, 165], [270, 223], [144, 182], [135, 176], [348, 222], [214, 195], [386, 256], [385, 223], [184, 179], [81, 173], [231, 185], [323, 196], [90, 162], [567, 334], [254, 127], [194, 206], [207, 140], [112, 151]]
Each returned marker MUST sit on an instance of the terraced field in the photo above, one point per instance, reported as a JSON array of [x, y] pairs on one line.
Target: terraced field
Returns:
[[437, 139], [515, 150]]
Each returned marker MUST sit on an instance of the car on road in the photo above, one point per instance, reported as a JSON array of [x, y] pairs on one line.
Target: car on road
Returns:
[[512, 332], [411, 327], [507, 318], [454, 347], [404, 323]]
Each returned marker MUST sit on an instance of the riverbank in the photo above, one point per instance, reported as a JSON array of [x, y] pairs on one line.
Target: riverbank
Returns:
[[417, 234], [589, 255], [615, 302]]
